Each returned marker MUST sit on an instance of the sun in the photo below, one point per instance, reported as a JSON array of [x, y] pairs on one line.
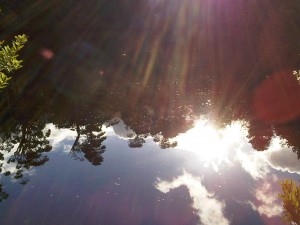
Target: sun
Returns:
[[209, 143]]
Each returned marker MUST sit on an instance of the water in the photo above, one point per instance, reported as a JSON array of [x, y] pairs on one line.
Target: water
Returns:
[[157, 114]]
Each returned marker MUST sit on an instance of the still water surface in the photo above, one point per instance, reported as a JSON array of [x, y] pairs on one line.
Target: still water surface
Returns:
[[158, 114], [214, 178]]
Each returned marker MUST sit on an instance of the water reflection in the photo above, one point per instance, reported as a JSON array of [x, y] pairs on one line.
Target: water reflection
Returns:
[[212, 145], [200, 177], [91, 145], [212, 213], [209, 145], [23, 148], [207, 82]]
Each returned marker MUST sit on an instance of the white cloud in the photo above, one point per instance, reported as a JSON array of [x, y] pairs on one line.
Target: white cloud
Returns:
[[11, 167], [282, 158], [122, 131], [209, 209], [253, 162], [227, 146], [57, 136], [268, 202]]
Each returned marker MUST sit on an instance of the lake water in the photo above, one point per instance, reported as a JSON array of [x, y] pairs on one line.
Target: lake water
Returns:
[[151, 113]]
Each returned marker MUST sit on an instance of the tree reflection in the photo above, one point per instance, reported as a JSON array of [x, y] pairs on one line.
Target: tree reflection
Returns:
[[260, 135], [164, 142], [89, 142], [3, 194], [26, 145], [32, 143], [157, 82], [291, 133], [136, 142]]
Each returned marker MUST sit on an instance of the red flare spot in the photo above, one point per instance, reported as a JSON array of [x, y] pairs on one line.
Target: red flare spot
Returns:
[[46, 53], [101, 72], [277, 98]]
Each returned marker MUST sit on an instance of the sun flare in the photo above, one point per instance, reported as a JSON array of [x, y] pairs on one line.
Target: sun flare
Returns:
[[210, 144]]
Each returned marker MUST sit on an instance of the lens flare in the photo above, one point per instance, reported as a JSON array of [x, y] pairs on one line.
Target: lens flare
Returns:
[[210, 144]]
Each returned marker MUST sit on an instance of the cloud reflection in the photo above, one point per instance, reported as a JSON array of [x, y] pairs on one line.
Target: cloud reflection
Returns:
[[252, 162], [211, 145], [281, 157], [59, 137], [268, 201], [209, 209], [122, 131]]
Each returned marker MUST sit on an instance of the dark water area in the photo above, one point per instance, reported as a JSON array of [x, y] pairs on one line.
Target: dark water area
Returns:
[[151, 112]]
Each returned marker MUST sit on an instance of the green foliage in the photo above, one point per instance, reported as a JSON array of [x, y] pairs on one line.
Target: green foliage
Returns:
[[290, 197], [9, 61]]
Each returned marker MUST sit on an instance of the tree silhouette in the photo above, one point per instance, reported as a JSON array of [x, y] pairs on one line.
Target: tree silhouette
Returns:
[[260, 135], [89, 142], [3, 194], [136, 142], [31, 142], [133, 63], [164, 142], [27, 143], [291, 133]]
